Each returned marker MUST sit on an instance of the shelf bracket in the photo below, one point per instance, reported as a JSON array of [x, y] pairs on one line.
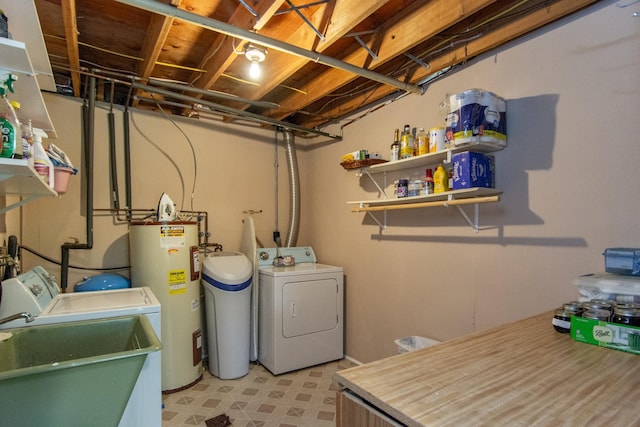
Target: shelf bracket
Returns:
[[383, 225], [380, 189], [476, 215], [20, 203]]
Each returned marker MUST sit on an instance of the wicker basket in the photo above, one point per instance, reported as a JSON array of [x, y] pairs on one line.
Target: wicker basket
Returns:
[[357, 164]]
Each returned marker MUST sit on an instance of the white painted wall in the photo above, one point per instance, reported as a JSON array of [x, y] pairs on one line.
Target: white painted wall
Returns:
[[568, 177]]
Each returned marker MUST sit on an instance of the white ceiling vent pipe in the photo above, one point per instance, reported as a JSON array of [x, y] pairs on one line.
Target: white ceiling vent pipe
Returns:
[[294, 189]]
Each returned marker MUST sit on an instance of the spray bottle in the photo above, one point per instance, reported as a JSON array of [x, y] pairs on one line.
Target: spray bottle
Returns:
[[41, 161], [9, 124]]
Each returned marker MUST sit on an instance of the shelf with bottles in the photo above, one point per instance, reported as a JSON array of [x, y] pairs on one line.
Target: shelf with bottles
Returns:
[[18, 178], [443, 156], [14, 59], [453, 198]]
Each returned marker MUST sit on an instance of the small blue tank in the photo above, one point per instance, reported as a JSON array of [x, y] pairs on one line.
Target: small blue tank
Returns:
[[102, 282]]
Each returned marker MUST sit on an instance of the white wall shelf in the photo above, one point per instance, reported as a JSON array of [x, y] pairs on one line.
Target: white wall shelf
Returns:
[[15, 59], [18, 178], [454, 198]]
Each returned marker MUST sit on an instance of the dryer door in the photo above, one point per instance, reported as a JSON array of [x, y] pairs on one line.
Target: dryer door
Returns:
[[309, 306]]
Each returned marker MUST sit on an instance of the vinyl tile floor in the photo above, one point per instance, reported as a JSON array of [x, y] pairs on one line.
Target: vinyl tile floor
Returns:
[[304, 398]]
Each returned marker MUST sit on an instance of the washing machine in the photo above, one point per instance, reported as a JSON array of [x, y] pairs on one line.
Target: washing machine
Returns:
[[301, 315], [37, 292]]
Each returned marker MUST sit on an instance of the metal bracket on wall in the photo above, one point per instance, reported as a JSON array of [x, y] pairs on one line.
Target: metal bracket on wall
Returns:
[[380, 189], [450, 201]]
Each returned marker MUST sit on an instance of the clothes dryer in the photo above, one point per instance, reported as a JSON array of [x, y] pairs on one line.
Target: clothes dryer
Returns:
[[301, 319]]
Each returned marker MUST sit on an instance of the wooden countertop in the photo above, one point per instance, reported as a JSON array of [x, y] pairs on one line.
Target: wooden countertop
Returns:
[[520, 374]]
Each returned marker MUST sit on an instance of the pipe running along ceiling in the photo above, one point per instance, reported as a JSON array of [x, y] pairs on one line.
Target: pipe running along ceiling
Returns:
[[323, 60]]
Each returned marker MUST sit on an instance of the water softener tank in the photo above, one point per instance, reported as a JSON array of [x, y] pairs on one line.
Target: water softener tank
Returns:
[[164, 257], [226, 279]]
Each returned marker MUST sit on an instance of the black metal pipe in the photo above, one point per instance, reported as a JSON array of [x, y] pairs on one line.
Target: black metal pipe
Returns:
[[88, 116], [127, 161], [113, 162]]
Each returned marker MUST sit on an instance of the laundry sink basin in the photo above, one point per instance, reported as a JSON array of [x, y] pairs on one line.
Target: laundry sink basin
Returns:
[[72, 374]]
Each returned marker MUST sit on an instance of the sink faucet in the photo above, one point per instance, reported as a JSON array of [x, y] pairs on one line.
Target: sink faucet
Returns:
[[27, 317]]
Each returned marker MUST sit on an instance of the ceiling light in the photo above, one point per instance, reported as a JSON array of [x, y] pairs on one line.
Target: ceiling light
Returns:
[[255, 55]]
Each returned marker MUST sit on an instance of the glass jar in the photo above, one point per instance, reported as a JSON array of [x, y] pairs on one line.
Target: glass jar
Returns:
[[599, 305], [626, 316], [562, 321], [574, 307], [597, 314], [403, 188]]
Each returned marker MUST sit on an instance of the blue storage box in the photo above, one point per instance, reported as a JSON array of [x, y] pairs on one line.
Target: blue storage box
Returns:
[[472, 170], [622, 261]]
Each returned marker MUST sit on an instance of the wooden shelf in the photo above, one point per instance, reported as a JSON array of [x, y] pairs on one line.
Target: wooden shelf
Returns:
[[467, 194]]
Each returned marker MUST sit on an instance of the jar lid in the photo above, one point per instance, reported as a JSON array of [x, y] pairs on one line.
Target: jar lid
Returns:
[[600, 305], [627, 305], [563, 313], [573, 306], [627, 312], [597, 314]]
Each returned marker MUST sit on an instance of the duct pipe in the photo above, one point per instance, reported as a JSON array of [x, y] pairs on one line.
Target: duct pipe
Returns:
[[294, 189], [233, 31]]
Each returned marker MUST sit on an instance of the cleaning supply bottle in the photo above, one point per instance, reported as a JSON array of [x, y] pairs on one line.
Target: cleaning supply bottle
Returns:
[[9, 125], [440, 180], [41, 161], [27, 142], [18, 153]]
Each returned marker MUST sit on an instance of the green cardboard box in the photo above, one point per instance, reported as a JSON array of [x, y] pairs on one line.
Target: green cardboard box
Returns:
[[605, 334]]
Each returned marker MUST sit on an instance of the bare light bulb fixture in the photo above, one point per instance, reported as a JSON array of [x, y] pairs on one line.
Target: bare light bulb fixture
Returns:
[[255, 55]]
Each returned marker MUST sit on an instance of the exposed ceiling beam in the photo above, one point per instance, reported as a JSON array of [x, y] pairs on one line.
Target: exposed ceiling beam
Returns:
[[345, 15], [510, 31], [397, 37], [155, 37], [268, 42], [71, 36], [222, 54]]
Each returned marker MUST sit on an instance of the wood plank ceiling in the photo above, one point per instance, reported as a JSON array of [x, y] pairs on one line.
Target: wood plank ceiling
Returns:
[[410, 41]]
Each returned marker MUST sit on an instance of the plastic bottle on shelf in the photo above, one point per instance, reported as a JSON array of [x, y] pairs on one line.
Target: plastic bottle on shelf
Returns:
[[18, 153], [395, 147], [440, 180], [41, 161], [9, 124], [27, 142], [406, 143], [422, 142], [428, 182]]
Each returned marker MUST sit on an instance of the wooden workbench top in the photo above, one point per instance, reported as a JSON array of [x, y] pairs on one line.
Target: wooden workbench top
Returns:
[[520, 374]]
